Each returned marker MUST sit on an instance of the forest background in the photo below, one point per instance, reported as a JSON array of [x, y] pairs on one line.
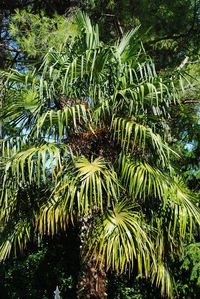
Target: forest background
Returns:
[[170, 33]]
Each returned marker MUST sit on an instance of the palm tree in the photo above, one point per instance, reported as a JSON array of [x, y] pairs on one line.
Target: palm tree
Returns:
[[90, 149]]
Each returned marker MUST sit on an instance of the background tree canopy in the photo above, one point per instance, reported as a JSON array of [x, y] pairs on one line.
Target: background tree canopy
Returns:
[[100, 149]]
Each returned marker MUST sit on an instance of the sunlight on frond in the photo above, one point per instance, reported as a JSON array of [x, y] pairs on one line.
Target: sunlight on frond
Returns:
[[58, 123], [142, 180], [33, 164], [185, 215], [99, 185], [15, 241], [131, 134], [122, 240], [163, 279]]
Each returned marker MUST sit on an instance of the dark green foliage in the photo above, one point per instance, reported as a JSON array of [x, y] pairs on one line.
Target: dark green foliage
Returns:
[[50, 6], [124, 287], [186, 137], [38, 271], [169, 28], [188, 275], [36, 274]]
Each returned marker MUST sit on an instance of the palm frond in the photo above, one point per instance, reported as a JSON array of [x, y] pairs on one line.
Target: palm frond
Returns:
[[53, 218], [84, 187], [59, 123], [15, 76], [16, 240], [185, 216], [122, 240], [93, 186], [90, 67], [91, 32], [130, 134], [163, 279], [124, 43], [142, 180], [11, 146], [34, 164]]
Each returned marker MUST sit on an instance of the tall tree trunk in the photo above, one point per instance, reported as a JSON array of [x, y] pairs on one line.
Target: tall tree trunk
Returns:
[[92, 279]]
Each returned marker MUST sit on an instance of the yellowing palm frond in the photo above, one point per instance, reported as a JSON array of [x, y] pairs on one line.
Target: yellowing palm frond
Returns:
[[185, 216], [122, 240], [144, 181], [16, 240], [99, 186], [163, 279]]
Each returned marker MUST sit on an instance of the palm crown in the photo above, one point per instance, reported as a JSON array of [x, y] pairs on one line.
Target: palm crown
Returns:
[[90, 144]]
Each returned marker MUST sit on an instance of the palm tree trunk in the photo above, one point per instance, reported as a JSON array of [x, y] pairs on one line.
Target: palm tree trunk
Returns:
[[91, 279]]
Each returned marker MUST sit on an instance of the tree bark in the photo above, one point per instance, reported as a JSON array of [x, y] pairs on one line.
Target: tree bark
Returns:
[[92, 278], [92, 281]]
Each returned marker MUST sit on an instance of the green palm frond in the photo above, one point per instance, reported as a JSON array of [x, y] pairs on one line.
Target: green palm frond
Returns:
[[91, 66], [122, 47], [184, 214], [151, 97], [59, 123], [8, 200], [11, 146], [34, 164], [22, 109], [92, 32], [130, 134], [175, 221], [92, 185], [53, 218], [86, 186], [142, 180], [16, 240], [163, 279], [21, 102], [160, 274], [122, 240], [16, 77]]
